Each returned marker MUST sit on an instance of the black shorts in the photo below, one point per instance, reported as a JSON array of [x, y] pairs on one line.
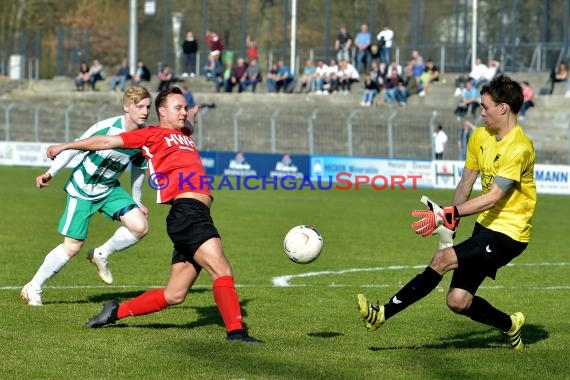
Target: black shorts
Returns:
[[481, 256], [189, 225]]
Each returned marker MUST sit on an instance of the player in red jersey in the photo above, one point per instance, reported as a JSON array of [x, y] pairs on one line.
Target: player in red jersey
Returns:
[[175, 169]]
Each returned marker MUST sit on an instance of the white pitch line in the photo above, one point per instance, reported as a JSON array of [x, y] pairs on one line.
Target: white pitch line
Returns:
[[283, 281]]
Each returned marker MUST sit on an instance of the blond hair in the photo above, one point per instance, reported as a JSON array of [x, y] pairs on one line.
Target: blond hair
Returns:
[[135, 95]]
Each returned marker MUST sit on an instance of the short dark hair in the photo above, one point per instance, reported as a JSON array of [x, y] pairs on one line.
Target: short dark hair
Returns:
[[503, 89], [162, 95]]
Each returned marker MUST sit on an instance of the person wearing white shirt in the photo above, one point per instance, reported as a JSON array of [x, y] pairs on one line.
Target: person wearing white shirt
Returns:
[[439, 141], [394, 66], [479, 71], [330, 83], [347, 75], [319, 77], [477, 74], [385, 38]]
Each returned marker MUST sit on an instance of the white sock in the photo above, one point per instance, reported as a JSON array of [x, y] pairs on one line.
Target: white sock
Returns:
[[54, 261], [121, 239]]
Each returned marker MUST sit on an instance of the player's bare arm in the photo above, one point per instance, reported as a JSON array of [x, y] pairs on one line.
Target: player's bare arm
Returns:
[[465, 186], [481, 203], [484, 202], [92, 143]]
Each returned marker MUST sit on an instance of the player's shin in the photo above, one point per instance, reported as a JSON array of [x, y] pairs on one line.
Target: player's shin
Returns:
[[419, 287], [483, 312], [227, 301], [149, 302]]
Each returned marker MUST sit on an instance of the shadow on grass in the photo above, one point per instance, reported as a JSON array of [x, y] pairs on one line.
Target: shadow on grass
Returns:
[[490, 338], [207, 315], [124, 296], [325, 334]]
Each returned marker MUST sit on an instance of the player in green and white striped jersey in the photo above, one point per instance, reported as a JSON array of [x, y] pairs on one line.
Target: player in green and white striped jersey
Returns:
[[93, 186]]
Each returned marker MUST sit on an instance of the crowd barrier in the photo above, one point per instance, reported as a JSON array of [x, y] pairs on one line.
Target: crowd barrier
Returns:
[[271, 171]]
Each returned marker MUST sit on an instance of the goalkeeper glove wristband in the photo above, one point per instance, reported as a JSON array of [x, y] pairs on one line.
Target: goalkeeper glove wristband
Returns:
[[435, 217]]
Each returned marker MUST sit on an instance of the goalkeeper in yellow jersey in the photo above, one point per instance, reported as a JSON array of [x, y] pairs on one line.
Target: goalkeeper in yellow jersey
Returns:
[[503, 156]]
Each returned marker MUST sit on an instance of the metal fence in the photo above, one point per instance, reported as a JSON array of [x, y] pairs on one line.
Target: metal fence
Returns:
[[448, 57], [530, 34], [378, 131]]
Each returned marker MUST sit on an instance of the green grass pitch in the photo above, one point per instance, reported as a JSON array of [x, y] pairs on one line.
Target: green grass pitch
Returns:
[[311, 327]]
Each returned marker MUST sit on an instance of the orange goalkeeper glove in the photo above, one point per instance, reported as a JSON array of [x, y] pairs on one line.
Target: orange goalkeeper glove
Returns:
[[434, 218]]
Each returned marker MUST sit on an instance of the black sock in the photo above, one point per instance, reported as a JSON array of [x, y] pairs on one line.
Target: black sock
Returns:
[[419, 287], [483, 312]]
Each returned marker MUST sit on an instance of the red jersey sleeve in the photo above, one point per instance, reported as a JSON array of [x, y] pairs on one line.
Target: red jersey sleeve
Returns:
[[137, 138]]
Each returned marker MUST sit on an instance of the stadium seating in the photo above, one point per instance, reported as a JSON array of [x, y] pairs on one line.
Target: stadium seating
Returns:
[[51, 100]]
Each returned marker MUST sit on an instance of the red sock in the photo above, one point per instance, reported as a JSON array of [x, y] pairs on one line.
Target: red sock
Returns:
[[150, 301], [227, 300]]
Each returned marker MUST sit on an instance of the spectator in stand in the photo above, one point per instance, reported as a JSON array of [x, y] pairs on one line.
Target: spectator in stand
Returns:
[[464, 136], [122, 76], [391, 87], [418, 65], [371, 89], [439, 141], [342, 44], [471, 99], [402, 93], [251, 49], [385, 39], [394, 67], [215, 43], [375, 70], [493, 68], [413, 84], [362, 42], [330, 80], [418, 57], [285, 80], [188, 96], [477, 73], [227, 77], [319, 77], [411, 70], [347, 75], [308, 76], [82, 77], [142, 73], [166, 78], [396, 90], [528, 99], [213, 67], [560, 75], [253, 75], [378, 72], [382, 73], [272, 76], [239, 75], [430, 75], [189, 49], [375, 54], [96, 73]]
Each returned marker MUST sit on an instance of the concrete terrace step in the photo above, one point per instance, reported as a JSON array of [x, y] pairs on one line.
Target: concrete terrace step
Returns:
[[546, 122]]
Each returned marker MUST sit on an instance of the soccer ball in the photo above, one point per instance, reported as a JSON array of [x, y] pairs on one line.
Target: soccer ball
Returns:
[[303, 244]]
